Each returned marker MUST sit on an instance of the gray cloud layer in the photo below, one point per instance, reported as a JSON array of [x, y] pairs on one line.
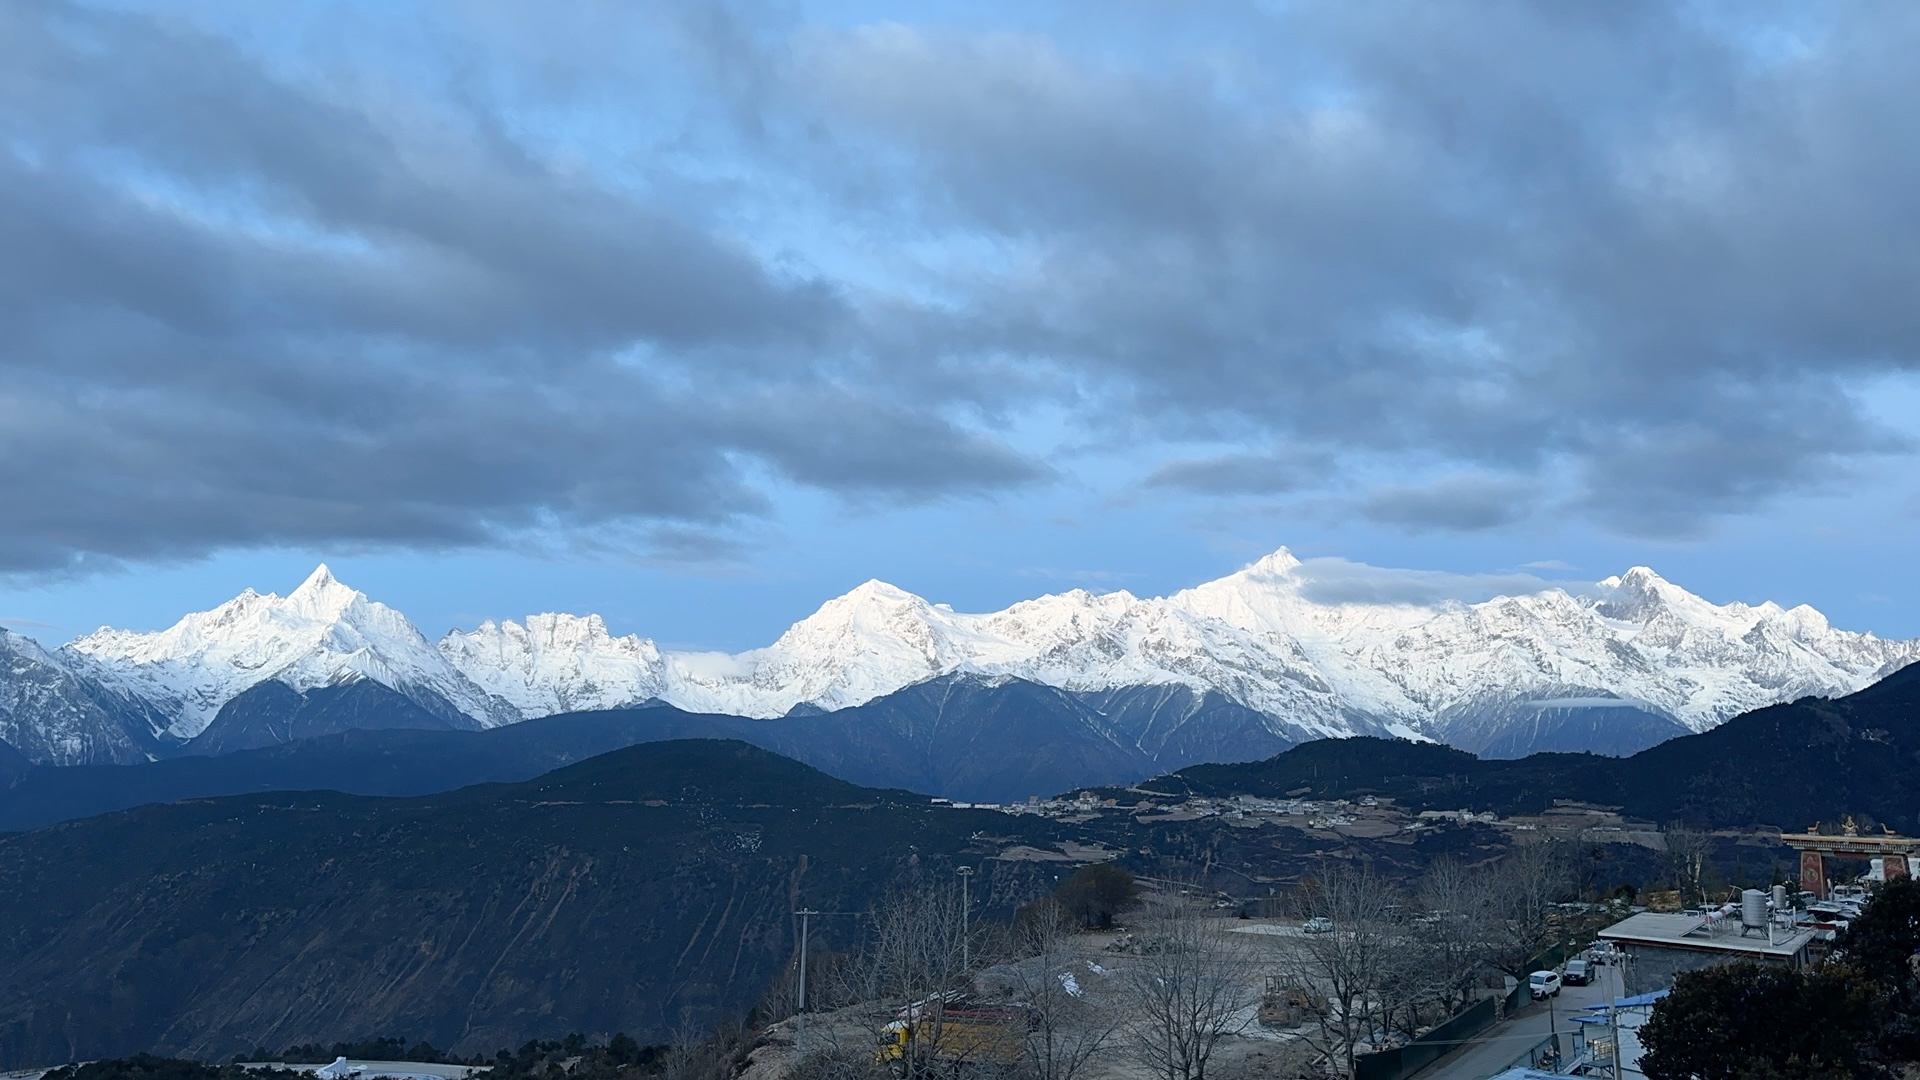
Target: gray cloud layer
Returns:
[[1622, 259]]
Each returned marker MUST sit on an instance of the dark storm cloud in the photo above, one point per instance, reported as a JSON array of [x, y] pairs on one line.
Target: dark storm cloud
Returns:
[[1632, 261], [1243, 474], [1663, 243], [237, 313], [1458, 503]]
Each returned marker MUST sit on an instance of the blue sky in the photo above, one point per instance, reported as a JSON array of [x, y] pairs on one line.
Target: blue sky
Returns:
[[696, 315]]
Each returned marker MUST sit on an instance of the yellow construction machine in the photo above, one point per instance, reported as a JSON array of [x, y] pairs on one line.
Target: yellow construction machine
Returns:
[[955, 1033]]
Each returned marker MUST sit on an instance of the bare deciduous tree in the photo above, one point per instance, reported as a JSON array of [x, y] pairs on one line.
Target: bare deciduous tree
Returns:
[[1350, 969], [1190, 988], [1066, 1028], [1689, 858], [688, 1051], [913, 966], [1523, 887], [1452, 937]]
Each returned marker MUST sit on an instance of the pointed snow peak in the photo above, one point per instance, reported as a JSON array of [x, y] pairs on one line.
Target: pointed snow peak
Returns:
[[870, 595], [875, 589], [322, 592], [871, 607], [1281, 563]]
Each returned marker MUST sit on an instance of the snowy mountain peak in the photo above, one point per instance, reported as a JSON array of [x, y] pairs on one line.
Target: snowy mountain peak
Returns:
[[1271, 636], [324, 633], [1281, 563], [321, 591], [876, 592], [873, 605], [555, 663], [1316, 647]]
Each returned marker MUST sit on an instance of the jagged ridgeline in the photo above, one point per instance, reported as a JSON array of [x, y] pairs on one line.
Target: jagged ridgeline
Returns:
[[1786, 765], [1233, 669]]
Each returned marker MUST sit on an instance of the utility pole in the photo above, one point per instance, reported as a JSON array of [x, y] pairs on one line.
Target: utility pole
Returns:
[[1613, 1028], [966, 917], [800, 1018]]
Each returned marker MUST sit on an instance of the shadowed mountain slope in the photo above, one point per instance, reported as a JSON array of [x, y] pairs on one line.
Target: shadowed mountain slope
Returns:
[[624, 892], [1787, 765], [957, 737], [273, 713], [605, 896]]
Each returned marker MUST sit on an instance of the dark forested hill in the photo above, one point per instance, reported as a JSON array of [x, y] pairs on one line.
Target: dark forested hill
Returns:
[[1786, 765], [618, 893], [605, 896], [363, 762]]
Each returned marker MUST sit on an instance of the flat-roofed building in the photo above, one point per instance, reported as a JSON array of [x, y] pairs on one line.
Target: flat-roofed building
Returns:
[[1656, 947]]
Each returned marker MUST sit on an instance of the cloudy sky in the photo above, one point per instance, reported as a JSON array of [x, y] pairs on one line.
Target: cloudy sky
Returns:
[[697, 314]]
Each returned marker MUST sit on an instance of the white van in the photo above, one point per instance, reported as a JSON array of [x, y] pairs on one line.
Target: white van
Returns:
[[1544, 984]]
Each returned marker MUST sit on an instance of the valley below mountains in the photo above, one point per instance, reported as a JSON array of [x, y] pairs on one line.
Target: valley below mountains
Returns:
[[628, 892], [657, 882], [882, 686]]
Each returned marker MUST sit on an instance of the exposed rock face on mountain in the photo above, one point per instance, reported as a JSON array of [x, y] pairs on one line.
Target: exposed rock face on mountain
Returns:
[[49, 712], [1227, 670]]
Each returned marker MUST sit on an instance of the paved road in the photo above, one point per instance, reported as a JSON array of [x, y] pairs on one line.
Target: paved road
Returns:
[[1494, 1049]]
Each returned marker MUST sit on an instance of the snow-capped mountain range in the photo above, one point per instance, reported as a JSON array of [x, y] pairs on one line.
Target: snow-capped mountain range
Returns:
[[1257, 638]]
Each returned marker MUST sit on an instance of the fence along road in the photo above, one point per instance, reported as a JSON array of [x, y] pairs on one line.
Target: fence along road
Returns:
[[1494, 1050]]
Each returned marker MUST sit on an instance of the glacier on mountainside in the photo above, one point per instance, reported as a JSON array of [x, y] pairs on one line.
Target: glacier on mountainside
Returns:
[[1260, 638], [321, 634], [557, 663], [1255, 636]]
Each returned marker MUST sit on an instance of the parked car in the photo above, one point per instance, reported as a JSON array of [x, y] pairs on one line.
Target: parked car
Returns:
[[1319, 924], [1578, 973], [1544, 984]]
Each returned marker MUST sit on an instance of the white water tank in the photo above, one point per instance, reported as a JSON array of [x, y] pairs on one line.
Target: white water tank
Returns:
[[1753, 909], [1779, 899]]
